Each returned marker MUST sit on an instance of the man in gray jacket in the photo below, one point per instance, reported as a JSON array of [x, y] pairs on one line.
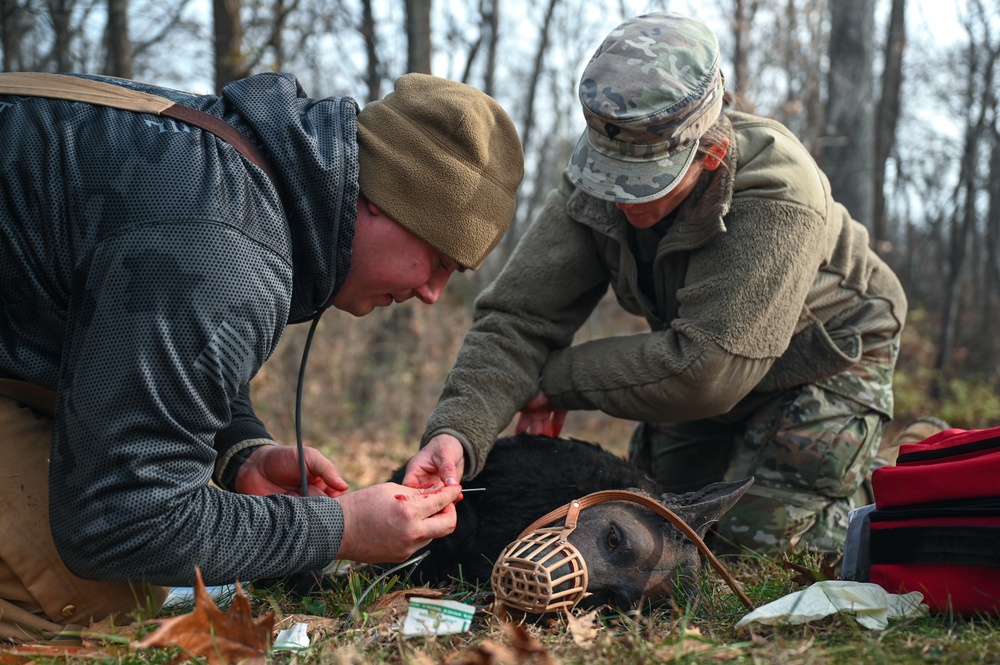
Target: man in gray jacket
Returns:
[[774, 329], [148, 267]]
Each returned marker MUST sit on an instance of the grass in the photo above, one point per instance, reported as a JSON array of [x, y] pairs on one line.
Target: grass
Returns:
[[356, 619], [367, 394], [699, 631], [348, 626]]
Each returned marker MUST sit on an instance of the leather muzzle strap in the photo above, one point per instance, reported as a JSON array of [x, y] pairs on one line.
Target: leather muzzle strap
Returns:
[[656, 507]]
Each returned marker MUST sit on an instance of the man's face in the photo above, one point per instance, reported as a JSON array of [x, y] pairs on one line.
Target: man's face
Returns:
[[389, 264]]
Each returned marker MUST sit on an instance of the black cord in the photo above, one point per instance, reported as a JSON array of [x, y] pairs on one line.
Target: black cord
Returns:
[[298, 404]]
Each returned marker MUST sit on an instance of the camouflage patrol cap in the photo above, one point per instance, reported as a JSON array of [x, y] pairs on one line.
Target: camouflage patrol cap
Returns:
[[444, 161], [649, 92]]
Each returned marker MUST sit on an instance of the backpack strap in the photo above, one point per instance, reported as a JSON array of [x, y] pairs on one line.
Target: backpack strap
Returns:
[[74, 88]]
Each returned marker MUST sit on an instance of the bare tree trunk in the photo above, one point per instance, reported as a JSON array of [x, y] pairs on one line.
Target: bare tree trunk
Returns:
[[847, 152], [229, 60], [372, 77], [886, 117], [743, 15], [418, 36], [59, 14], [796, 42], [119, 46], [489, 25], [10, 33], [980, 99], [961, 233], [528, 119], [991, 280], [276, 41], [492, 20]]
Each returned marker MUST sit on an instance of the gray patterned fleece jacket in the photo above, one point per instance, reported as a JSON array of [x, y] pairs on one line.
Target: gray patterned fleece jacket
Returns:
[[147, 270]]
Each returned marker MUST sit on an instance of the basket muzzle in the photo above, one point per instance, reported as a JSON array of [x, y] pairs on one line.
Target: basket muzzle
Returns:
[[543, 572]]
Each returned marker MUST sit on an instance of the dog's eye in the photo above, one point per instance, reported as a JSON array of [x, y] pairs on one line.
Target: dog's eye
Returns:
[[613, 538]]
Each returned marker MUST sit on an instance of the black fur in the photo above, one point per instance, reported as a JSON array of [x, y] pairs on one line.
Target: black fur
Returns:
[[525, 477]]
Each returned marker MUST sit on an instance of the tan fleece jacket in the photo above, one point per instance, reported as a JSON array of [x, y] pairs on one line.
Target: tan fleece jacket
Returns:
[[763, 282]]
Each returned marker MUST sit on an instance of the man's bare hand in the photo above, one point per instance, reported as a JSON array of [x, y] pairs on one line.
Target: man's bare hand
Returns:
[[275, 470], [538, 416], [441, 461], [387, 523]]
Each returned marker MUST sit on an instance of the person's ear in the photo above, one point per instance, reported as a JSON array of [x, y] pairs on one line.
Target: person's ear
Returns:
[[715, 155], [373, 209]]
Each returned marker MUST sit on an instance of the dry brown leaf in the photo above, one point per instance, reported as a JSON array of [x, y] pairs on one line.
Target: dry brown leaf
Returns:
[[527, 648], [400, 599], [97, 631], [807, 576], [523, 650], [487, 652], [693, 642], [316, 627], [583, 628], [221, 638]]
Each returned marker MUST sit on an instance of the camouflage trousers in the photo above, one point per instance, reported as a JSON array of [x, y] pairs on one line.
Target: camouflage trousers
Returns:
[[809, 449]]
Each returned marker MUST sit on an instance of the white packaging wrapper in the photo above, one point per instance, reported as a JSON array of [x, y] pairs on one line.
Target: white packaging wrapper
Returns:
[[434, 616], [294, 638], [870, 604]]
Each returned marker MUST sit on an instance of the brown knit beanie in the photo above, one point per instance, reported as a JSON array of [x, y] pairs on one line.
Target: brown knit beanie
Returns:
[[442, 159]]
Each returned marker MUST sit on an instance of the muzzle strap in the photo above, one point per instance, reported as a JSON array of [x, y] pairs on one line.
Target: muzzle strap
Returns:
[[572, 510]]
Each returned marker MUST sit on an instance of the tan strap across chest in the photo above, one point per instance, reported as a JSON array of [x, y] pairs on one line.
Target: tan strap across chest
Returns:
[[74, 88]]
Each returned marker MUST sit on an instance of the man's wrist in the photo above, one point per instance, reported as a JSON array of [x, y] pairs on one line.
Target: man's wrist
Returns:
[[228, 466], [467, 447]]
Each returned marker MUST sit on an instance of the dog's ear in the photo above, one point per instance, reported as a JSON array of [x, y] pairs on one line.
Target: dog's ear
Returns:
[[704, 507]]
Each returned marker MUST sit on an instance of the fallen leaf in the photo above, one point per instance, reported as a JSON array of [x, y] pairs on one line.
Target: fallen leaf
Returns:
[[486, 652], [221, 638], [110, 630], [527, 648], [523, 650], [583, 628], [419, 657], [400, 599], [316, 627], [807, 576], [694, 642]]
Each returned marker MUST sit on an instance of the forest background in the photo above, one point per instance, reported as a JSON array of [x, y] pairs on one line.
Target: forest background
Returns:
[[897, 99]]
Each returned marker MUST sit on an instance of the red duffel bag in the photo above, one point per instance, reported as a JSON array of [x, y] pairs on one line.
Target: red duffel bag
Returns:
[[936, 523]]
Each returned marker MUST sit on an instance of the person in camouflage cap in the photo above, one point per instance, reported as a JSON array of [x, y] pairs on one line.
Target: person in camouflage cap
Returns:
[[774, 329]]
